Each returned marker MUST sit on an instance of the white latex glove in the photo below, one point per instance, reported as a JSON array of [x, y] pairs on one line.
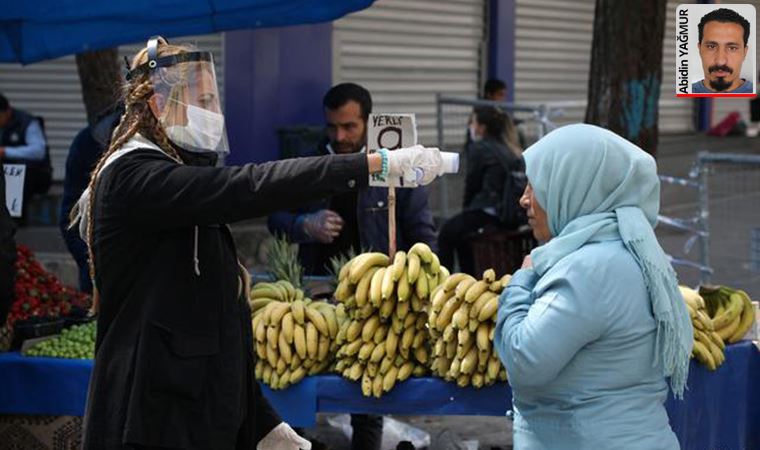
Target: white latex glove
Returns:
[[416, 164], [324, 225], [282, 437]]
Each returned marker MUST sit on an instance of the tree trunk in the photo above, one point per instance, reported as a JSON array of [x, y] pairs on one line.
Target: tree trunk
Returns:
[[100, 78], [626, 69]]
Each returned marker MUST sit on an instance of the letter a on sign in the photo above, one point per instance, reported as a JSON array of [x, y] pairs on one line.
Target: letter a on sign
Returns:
[[391, 131]]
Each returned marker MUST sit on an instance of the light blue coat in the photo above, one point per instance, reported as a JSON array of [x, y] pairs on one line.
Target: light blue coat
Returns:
[[578, 344]]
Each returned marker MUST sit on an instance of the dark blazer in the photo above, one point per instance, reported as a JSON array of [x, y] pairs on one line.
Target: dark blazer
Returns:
[[174, 350]]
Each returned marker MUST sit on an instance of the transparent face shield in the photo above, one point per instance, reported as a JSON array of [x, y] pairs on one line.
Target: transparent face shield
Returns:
[[186, 101]]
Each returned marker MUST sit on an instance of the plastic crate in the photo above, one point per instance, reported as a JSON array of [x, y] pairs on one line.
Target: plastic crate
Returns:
[[501, 250]]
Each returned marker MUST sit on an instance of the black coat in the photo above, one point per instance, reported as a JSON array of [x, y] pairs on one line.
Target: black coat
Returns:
[[174, 351], [487, 163]]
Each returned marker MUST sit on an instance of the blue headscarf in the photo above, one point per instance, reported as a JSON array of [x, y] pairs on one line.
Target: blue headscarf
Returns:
[[593, 184]]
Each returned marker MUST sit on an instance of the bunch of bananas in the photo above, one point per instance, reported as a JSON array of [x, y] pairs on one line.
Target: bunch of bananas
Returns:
[[708, 345], [385, 339], [731, 311], [462, 321], [266, 292], [295, 339]]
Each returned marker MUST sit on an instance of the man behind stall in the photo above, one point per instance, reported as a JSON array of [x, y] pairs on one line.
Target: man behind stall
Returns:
[[335, 225]]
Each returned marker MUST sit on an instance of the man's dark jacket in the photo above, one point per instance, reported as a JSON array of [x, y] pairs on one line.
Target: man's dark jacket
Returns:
[[414, 221], [7, 255], [174, 351]]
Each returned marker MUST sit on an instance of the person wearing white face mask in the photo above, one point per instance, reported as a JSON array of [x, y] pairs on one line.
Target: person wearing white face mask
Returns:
[[174, 352], [491, 160]]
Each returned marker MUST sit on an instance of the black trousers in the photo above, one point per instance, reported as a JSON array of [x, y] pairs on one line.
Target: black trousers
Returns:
[[452, 240], [367, 432]]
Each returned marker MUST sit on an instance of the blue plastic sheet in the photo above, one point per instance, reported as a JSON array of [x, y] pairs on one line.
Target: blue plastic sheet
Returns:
[[35, 30], [720, 410]]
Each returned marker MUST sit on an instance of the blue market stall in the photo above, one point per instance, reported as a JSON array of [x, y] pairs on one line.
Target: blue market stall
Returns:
[[720, 410]]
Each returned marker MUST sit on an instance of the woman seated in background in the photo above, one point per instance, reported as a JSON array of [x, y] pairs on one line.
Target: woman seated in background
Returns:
[[492, 157]]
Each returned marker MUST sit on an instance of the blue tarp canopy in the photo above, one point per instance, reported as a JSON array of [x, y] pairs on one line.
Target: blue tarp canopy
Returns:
[[36, 30]]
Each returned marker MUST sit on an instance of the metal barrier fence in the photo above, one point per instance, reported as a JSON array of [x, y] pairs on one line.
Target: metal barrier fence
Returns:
[[724, 222], [452, 118]]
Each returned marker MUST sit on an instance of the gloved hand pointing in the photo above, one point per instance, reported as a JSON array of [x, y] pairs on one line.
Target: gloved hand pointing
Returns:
[[282, 437], [323, 226], [415, 164]]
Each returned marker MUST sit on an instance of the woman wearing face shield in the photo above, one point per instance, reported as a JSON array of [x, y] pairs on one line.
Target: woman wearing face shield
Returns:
[[593, 327], [174, 351]]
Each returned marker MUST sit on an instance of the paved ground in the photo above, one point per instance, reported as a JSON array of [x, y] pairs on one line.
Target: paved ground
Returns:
[[676, 156]]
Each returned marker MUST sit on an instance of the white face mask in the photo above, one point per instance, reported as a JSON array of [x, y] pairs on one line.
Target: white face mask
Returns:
[[474, 137], [203, 132]]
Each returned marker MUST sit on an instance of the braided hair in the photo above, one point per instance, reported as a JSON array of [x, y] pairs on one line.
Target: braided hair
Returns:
[[137, 118]]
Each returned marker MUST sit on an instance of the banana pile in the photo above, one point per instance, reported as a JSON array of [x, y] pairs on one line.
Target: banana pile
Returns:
[[385, 339], [708, 345], [731, 311], [294, 339], [461, 323], [278, 291]]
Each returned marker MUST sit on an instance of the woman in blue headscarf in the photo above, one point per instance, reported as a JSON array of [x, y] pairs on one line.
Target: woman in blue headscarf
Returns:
[[593, 325]]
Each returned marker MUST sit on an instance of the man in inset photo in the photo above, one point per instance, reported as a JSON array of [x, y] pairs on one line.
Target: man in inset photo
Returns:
[[723, 36]]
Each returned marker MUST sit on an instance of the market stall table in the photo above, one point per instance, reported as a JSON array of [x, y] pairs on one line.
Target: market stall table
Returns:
[[721, 409]]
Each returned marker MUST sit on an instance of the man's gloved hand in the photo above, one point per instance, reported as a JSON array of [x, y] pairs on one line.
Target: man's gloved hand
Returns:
[[282, 437], [415, 164], [323, 226]]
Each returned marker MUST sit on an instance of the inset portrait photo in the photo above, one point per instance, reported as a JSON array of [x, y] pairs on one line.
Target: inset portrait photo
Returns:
[[715, 50]]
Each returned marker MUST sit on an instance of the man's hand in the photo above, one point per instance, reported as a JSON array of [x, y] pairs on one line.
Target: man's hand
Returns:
[[527, 262], [323, 226]]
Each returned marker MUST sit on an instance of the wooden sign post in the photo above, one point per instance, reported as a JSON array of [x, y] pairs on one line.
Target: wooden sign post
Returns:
[[390, 131]]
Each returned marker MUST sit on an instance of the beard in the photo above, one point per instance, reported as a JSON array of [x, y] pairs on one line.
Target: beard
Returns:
[[720, 84]]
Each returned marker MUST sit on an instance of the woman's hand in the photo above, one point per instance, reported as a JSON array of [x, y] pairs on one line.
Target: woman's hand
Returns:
[[282, 437], [527, 262]]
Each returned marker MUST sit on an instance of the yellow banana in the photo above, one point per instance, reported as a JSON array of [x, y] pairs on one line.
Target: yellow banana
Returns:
[[299, 340], [413, 267], [477, 380], [488, 311], [387, 307], [363, 262], [297, 375], [258, 304], [366, 350], [460, 317], [449, 333], [285, 351], [496, 287], [399, 263], [402, 309], [403, 288], [421, 286], [391, 344], [377, 386], [290, 290], [505, 280], [362, 289], [421, 354], [343, 274], [378, 353], [747, 318], [733, 310], [479, 303], [703, 354], [463, 286], [407, 338], [475, 290], [435, 264], [438, 299], [726, 332], [353, 348], [297, 308], [444, 317], [367, 385], [369, 328], [380, 334], [489, 276], [328, 312], [389, 379], [417, 304], [272, 335], [354, 330], [312, 340], [443, 273], [493, 367], [481, 337], [423, 251], [376, 287], [405, 371], [286, 328], [343, 291], [385, 365], [323, 348], [317, 319], [469, 361]]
